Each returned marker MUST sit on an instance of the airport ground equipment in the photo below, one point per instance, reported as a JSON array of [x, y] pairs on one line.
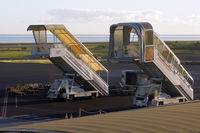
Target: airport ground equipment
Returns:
[[68, 89], [137, 42], [70, 55], [24, 89], [148, 90], [152, 94], [16, 91], [130, 79]]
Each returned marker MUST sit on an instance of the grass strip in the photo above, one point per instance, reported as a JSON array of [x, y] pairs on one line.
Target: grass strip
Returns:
[[42, 61]]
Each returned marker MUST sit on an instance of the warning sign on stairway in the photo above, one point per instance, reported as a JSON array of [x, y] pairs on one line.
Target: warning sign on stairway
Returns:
[[56, 52]]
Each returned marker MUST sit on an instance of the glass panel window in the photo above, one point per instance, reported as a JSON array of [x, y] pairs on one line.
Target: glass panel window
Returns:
[[159, 46], [175, 63], [149, 37], [165, 52], [180, 69], [118, 40], [40, 36], [184, 74], [133, 47], [149, 55], [169, 58]]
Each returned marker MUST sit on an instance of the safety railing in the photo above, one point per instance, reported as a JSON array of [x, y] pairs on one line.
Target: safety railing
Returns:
[[83, 55], [95, 75], [171, 60]]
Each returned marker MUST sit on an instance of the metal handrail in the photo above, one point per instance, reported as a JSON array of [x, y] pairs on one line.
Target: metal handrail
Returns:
[[94, 73], [81, 49], [188, 75], [166, 62]]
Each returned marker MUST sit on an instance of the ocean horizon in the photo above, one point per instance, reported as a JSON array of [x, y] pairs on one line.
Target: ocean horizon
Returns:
[[15, 38]]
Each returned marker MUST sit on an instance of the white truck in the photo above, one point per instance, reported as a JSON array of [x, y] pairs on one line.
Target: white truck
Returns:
[[148, 91], [68, 89], [152, 95]]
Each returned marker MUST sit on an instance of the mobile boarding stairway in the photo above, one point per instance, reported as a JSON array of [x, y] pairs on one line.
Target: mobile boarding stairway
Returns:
[[137, 42], [70, 55]]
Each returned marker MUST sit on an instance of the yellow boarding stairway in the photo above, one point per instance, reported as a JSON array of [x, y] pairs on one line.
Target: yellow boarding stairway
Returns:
[[152, 55], [70, 55]]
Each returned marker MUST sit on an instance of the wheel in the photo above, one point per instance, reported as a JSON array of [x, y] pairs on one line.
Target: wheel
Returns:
[[71, 97], [94, 95]]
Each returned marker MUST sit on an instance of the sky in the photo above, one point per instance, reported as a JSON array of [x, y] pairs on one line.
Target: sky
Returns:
[[96, 16]]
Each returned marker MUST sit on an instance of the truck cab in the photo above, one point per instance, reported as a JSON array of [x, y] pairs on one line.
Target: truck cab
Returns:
[[145, 94], [141, 96], [141, 100]]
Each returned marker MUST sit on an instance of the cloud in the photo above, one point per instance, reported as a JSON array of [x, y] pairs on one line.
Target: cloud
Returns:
[[84, 19], [194, 18], [102, 15]]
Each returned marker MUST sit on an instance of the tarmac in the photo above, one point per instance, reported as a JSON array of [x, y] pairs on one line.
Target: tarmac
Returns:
[[38, 108]]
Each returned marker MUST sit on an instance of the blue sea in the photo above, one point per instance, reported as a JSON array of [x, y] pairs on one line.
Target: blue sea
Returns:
[[9, 38]]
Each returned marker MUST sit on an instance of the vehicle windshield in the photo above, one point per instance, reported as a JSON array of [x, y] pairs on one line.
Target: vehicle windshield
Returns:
[[55, 85]]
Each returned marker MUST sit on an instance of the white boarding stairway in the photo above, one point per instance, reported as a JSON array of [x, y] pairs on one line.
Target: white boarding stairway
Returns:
[[71, 56], [66, 60], [175, 81], [151, 54]]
